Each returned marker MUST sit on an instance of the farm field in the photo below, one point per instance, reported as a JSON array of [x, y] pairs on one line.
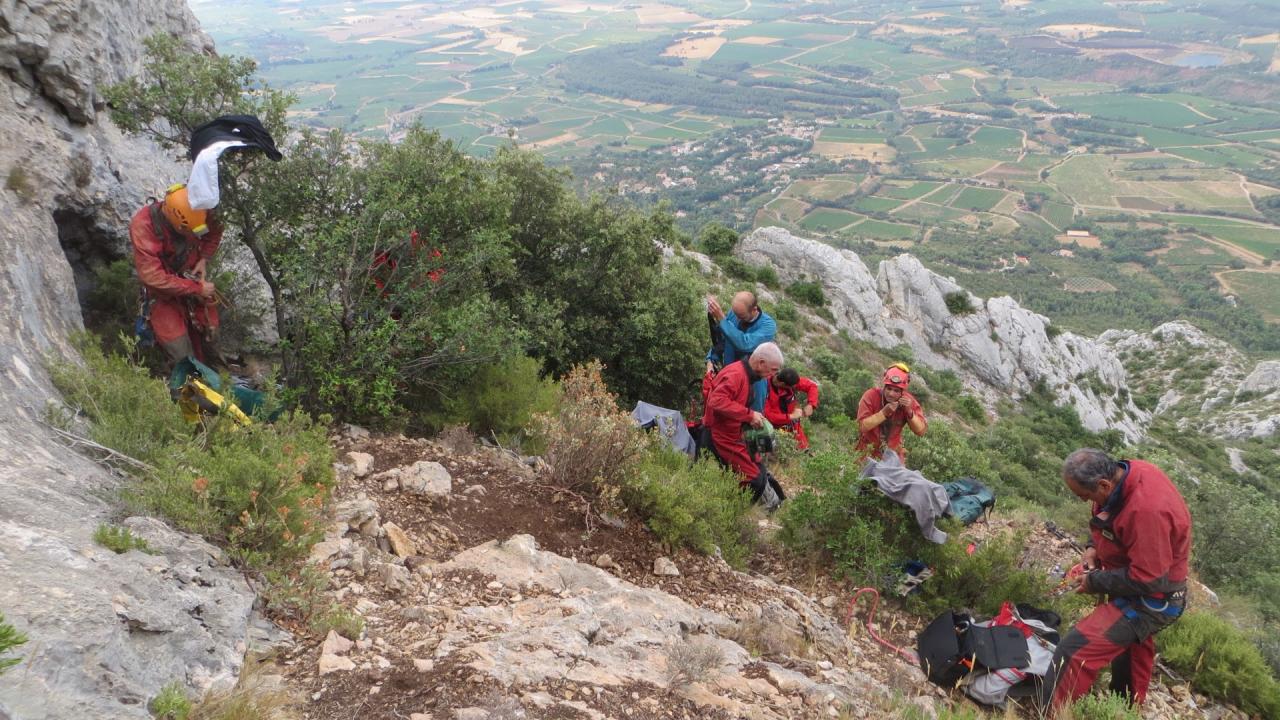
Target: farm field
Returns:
[[851, 122]]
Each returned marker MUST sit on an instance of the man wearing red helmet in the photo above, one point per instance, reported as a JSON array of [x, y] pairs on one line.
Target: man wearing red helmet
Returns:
[[884, 410], [172, 245]]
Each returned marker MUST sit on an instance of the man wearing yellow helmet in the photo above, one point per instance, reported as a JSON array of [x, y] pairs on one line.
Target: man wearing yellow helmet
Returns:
[[172, 246], [885, 410]]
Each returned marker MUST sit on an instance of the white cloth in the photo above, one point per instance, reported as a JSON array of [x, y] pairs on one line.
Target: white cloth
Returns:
[[202, 187], [928, 500]]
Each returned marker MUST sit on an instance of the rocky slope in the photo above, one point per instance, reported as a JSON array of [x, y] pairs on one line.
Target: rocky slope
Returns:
[[487, 600], [1200, 382], [106, 630], [999, 345]]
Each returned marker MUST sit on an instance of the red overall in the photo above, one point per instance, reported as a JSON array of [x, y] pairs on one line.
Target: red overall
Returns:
[[873, 442], [160, 262], [1142, 554], [780, 403], [728, 410]]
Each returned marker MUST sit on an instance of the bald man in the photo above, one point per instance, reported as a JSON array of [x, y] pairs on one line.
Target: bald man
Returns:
[[745, 329]]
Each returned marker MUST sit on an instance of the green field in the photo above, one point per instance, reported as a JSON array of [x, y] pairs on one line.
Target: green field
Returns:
[[974, 198], [828, 219], [883, 230], [1258, 290]]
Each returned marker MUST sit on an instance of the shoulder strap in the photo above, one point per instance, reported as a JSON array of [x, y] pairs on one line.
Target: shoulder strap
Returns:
[[174, 262]]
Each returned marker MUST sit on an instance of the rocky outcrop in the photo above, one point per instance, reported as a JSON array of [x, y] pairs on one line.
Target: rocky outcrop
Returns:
[[997, 345], [106, 631], [575, 622], [1199, 381]]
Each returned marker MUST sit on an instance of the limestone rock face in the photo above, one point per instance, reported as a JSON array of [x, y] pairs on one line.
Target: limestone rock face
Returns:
[[1201, 382], [998, 346], [577, 622], [106, 631]]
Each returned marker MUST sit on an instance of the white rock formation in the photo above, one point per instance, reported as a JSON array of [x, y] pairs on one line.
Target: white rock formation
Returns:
[[1000, 345], [106, 631], [580, 624], [1202, 382]]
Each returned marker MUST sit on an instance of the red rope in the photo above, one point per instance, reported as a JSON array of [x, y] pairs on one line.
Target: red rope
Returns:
[[875, 601]]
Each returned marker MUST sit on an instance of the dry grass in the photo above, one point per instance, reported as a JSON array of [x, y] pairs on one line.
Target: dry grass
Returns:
[[691, 662], [258, 696]]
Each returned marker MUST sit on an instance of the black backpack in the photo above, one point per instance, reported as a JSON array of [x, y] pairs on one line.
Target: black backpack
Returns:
[[951, 647]]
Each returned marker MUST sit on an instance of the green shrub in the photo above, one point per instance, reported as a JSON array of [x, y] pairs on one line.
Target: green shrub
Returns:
[[1221, 662], [118, 539], [717, 240], [697, 505], [767, 276], [10, 638], [340, 620], [130, 412], [1103, 707], [945, 383], [942, 454], [736, 269], [843, 518], [259, 490], [980, 580], [958, 303], [171, 703], [504, 398], [808, 292], [970, 409], [785, 311]]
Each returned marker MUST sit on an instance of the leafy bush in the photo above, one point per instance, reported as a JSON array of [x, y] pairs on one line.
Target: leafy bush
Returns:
[[841, 517], [958, 303], [981, 580], [1221, 662], [785, 311], [970, 409], [717, 240], [258, 490], [10, 638], [592, 446], [171, 703], [697, 505], [942, 454], [736, 269], [767, 276], [945, 383], [504, 398], [491, 257], [118, 539], [808, 292]]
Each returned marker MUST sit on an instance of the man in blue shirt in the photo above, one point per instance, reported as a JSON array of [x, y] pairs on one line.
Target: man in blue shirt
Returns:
[[744, 330]]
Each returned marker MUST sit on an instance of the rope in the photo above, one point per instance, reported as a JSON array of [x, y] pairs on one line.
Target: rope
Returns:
[[875, 601]]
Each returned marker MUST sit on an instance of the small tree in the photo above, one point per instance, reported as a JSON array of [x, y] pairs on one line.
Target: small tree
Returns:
[[717, 240]]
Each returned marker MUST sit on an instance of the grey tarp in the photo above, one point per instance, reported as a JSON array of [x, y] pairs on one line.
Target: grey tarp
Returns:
[[907, 487], [669, 422]]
